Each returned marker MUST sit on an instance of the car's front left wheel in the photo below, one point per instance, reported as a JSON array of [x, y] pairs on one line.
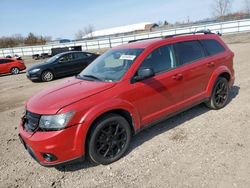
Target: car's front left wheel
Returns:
[[47, 76], [109, 139]]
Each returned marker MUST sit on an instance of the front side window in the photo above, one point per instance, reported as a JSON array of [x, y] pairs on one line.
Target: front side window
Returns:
[[66, 58], [189, 51], [53, 59], [160, 60], [111, 66], [212, 46]]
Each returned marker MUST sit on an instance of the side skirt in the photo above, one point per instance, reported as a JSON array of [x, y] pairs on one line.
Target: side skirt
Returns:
[[170, 115]]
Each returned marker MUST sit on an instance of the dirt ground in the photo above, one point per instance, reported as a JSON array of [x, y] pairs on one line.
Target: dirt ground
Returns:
[[197, 148]]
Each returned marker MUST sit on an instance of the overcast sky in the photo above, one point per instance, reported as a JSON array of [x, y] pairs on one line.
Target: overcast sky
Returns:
[[63, 18]]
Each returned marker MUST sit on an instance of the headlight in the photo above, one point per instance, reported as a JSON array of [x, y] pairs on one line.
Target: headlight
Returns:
[[34, 70], [55, 122]]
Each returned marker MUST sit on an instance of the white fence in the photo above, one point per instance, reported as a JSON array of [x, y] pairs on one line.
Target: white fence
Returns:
[[222, 27]]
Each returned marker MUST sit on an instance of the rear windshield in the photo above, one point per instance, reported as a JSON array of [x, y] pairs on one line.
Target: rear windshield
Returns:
[[212, 46]]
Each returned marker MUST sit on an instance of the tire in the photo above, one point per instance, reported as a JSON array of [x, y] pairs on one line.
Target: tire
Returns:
[[47, 76], [109, 139], [14, 70], [220, 94]]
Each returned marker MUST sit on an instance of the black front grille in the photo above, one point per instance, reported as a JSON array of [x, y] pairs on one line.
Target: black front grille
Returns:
[[31, 121]]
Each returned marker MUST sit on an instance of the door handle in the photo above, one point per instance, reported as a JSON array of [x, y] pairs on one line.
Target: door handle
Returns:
[[211, 64], [177, 77]]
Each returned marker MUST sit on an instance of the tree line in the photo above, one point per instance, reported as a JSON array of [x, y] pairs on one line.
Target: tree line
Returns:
[[19, 40]]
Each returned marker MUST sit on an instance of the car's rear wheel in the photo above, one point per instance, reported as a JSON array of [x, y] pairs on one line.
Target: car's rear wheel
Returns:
[[220, 94], [47, 76], [15, 70], [109, 139]]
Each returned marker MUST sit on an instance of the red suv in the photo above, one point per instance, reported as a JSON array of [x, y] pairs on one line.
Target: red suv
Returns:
[[123, 91], [13, 66]]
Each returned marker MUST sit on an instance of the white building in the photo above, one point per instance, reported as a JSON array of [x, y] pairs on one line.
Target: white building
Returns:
[[128, 29]]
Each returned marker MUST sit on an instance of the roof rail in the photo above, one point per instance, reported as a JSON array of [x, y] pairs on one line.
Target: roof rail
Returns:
[[142, 39], [205, 31]]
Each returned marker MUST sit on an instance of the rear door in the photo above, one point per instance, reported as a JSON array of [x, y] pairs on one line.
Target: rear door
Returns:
[[82, 61], [215, 56], [194, 68]]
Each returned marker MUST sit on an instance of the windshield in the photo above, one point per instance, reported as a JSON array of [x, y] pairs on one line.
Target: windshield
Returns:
[[111, 66], [52, 59]]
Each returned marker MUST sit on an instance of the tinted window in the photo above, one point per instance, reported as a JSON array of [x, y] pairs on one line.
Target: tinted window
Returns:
[[80, 56], [212, 46], [189, 51], [89, 55], [8, 60], [161, 59], [66, 58], [5, 61]]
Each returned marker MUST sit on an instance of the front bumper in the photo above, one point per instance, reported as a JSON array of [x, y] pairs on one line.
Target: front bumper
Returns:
[[62, 144], [34, 76]]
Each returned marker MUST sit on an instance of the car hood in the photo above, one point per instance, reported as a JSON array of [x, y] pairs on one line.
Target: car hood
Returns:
[[39, 65], [51, 100]]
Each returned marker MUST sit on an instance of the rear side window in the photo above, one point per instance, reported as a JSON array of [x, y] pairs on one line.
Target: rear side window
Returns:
[[212, 46], [3, 61], [189, 51], [161, 59], [80, 56]]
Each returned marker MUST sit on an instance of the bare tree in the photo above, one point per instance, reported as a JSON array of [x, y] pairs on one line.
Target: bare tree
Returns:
[[221, 8], [79, 34], [247, 6], [88, 30]]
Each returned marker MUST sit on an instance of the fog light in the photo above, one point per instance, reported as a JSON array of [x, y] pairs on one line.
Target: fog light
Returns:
[[49, 157]]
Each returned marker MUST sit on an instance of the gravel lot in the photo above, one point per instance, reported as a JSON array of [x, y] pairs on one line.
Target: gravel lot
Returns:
[[197, 148]]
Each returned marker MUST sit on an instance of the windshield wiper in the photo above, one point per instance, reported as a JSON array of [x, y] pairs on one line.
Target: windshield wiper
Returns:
[[91, 76]]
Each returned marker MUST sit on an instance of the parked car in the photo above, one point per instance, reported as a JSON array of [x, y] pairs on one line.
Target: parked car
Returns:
[[12, 66], [125, 90], [67, 63]]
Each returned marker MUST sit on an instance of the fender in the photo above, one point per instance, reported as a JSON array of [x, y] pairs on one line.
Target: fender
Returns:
[[109, 105], [219, 70], [92, 114]]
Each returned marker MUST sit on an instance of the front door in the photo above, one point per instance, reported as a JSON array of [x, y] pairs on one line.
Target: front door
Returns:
[[66, 65], [157, 96]]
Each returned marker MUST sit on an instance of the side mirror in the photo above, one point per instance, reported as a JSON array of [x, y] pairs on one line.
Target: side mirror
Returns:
[[143, 74]]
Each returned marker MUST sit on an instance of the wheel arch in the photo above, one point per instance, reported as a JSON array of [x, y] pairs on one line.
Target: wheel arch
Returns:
[[12, 67], [119, 111], [221, 71]]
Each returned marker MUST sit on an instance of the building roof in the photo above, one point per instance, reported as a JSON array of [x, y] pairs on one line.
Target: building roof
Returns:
[[121, 29]]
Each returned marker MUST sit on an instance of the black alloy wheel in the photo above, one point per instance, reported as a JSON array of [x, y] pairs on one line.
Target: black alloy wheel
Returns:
[[220, 94], [110, 139]]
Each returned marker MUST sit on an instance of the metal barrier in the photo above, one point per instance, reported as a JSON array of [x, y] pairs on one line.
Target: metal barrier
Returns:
[[228, 27]]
